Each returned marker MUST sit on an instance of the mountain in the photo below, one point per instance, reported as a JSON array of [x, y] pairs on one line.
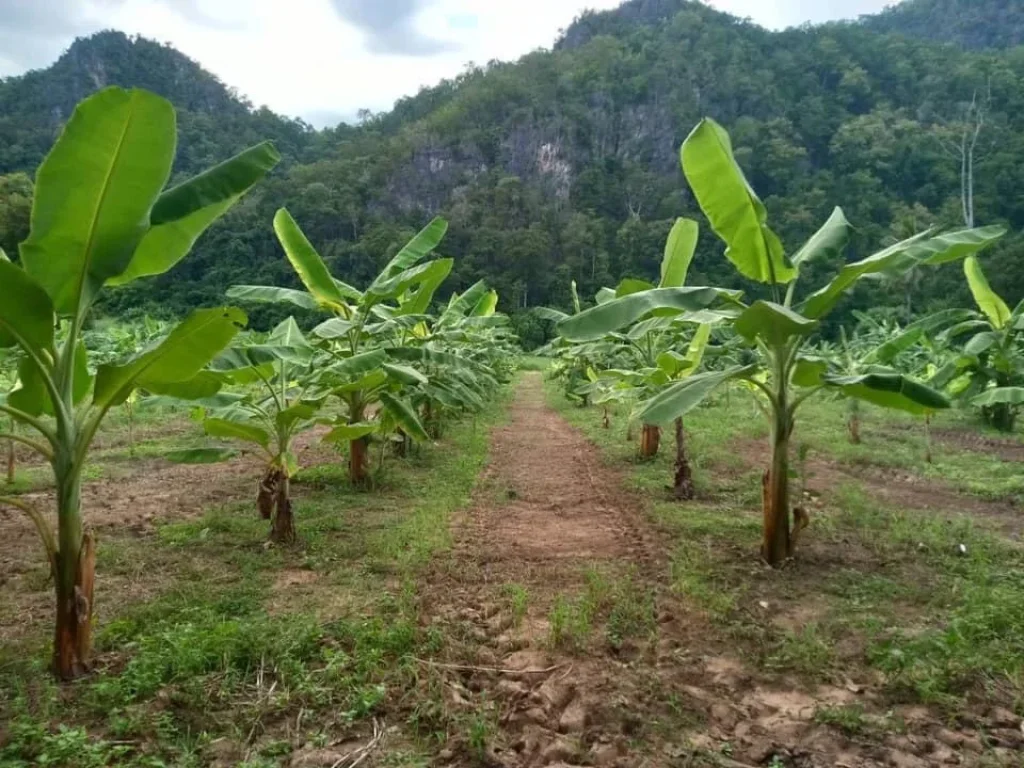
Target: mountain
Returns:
[[564, 165], [972, 24], [212, 118]]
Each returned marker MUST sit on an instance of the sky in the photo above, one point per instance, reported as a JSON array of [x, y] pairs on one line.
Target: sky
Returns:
[[324, 60]]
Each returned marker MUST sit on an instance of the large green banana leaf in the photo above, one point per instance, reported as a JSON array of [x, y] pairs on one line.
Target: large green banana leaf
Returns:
[[413, 252], [183, 213], [26, 312], [404, 416], [736, 213], [989, 302], [237, 430], [94, 193], [891, 390], [920, 249], [178, 358], [952, 246], [307, 262], [682, 397], [271, 294], [1000, 396], [773, 323], [612, 315], [828, 242], [679, 250]]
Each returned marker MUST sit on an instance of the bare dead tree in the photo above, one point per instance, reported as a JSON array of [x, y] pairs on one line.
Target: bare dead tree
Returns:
[[973, 124], [965, 148]]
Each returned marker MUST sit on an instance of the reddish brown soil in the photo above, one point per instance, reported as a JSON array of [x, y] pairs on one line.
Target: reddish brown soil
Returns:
[[548, 510], [1005, 448]]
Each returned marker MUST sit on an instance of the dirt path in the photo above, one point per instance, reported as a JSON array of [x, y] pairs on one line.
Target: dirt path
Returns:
[[644, 682], [547, 518], [561, 508]]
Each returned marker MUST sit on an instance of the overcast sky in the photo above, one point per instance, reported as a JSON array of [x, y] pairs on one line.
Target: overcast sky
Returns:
[[325, 59]]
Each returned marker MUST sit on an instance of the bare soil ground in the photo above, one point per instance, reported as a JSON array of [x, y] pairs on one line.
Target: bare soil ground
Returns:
[[566, 626], [673, 691], [130, 499], [1006, 448]]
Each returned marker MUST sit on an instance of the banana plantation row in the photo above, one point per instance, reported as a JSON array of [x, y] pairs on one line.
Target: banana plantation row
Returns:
[[380, 364], [387, 364], [664, 349]]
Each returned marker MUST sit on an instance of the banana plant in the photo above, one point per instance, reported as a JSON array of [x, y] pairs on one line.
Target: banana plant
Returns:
[[367, 375], [776, 329], [988, 370], [278, 404], [466, 353], [653, 341], [646, 359], [101, 216], [871, 348], [574, 360], [114, 341], [885, 347]]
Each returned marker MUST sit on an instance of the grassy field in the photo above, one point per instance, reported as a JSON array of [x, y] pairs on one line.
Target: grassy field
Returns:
[[524, 593], [220, 650], [910, 578]]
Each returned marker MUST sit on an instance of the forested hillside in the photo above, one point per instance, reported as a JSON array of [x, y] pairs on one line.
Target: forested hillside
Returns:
[[973, 24], [564, 165]]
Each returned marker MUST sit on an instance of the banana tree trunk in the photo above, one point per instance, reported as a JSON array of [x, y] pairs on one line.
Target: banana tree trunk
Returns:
[[11, 457], [431, 420], [282, 530], [403, 445], [650, 439], [74, 579], [266, 495], [1001, 416], [683, 489], [358, 462], [928, 438], [629, 431], [131, 427], [605, 421], [777, 545], [853, 421]]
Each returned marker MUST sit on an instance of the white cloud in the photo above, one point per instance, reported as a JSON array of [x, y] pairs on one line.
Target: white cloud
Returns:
[[325, 59], [788, 13]]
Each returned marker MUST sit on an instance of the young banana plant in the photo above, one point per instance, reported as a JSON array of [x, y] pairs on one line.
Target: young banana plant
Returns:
[[575, 361], [279, 403], [100, 216], [367, 375], [988, 371], [777, 330], [653, 343], [464, 353]]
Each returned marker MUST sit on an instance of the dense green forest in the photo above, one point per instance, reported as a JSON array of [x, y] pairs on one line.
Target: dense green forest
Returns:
[[564, 165]]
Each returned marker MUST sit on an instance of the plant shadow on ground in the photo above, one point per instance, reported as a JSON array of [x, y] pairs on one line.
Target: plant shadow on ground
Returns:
[[904, 607], [217, 649]]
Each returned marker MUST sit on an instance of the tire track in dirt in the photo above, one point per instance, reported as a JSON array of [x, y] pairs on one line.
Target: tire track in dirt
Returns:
[[548, 509]]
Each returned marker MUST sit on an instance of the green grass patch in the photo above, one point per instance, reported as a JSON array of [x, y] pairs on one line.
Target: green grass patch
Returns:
[[221, 655], [534, 363], [615, 602], [933, 601]]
